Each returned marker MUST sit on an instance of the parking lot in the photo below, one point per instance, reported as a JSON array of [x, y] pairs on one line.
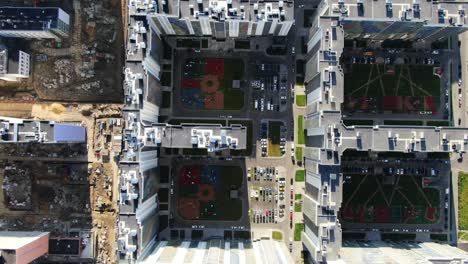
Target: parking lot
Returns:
[[269, 87], [268, 193], [272, 138]]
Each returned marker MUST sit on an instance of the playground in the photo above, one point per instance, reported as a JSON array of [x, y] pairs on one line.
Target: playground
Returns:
[[206, 193], [399, 199], [396, 88], [210, 84]]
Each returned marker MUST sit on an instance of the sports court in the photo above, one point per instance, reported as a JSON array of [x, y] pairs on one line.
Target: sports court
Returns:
[[205, 192], [396, 88], [400, 199], [208, 84]]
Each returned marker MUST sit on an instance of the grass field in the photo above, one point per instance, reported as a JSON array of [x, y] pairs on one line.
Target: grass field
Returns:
[[463, 236], [370, 199], [300, 175], [301, 100], [233, 70], [403, 122], [463, 201], [358, 122], [438, 123], [439, 237], [298, 228], [299, 153], [408, 80], [274, 133], [277, 235], [300, 130], [297, 207]]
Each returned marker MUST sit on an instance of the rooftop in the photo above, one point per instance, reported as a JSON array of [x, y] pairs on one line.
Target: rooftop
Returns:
[[399, 252], [24, 130], [31, 18], [211, 137], [12, 240]]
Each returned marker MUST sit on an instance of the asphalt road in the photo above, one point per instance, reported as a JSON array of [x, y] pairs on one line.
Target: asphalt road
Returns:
[[459, 113]]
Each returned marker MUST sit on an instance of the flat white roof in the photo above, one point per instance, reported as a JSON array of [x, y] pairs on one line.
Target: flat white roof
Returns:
[[12, 240]]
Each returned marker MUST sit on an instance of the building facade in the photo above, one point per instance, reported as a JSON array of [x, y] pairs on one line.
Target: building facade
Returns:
[[34, 22], [14, 65], [17, 247]]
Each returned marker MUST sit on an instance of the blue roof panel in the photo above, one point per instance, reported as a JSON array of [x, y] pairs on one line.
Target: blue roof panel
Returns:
[[69, 133]]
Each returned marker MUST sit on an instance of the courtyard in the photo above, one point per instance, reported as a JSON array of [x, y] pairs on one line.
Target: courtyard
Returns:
[[210, 192], [397, 88], [212, 84], [389, 199]]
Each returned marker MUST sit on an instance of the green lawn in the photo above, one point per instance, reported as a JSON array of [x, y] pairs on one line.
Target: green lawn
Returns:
[[233, 99], [463, 236], [196, 121], [231, 176], [403, 122], [438, 123], [195, 151], [298, 228], [277, 235], [166, 99], [463, 201], [297, 196], [300, 175], [358, 122], [300, 130], [299, 154], [297, 207], [233, 70], [439, 237], [301, 100], [274, 132]]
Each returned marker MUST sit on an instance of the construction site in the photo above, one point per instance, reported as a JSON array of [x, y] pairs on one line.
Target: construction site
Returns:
[[83, 67], [68, 189]]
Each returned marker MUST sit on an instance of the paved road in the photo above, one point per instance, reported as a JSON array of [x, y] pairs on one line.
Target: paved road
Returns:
[[459, 113], [462, 59]]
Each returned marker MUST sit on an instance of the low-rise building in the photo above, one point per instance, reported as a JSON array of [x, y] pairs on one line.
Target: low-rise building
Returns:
[[17, 247], [14, 64]]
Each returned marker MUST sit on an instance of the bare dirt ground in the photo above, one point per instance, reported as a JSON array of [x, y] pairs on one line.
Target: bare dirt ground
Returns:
[[102, 172], [76, 79], [85, 67]]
